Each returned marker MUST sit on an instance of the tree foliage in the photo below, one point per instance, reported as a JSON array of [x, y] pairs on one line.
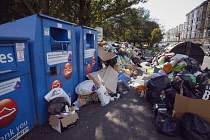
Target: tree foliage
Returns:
[[82, 12], [120, 22], [156, 36], [132, 25]]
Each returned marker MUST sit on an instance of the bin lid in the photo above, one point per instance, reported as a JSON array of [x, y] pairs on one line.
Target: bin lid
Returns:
[[45, 16], [188, 48], [87, 28], [4, 38]]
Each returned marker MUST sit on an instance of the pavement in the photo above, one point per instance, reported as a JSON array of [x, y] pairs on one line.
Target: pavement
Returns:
[[126, 118], [206, 62]]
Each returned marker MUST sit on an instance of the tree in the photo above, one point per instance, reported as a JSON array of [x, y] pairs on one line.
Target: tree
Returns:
[[133, 25], [150, 26], [156, 36], [82, 12]]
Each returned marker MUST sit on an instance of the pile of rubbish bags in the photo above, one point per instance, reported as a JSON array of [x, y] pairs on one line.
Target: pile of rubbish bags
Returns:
[[119, 63], [176, 74]]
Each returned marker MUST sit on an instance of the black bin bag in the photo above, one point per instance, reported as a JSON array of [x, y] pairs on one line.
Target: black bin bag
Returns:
[[57, 105], [192, 65], [194, 127], [170, 95], [160, 82], [153, 96], [122, 86], [167, 125]]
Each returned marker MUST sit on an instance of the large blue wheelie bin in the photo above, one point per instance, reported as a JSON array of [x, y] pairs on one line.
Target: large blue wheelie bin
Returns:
[[87, 47], [17, 104], [53, 56]]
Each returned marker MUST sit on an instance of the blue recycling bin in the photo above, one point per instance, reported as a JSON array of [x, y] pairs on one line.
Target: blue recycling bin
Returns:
[[17, 104], [53, 56], [87, 46]]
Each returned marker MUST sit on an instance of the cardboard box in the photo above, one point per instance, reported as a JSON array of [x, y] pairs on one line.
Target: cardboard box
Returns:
[[104, 56], [198, 106], [131, 67], [63, 124], [107, 77]]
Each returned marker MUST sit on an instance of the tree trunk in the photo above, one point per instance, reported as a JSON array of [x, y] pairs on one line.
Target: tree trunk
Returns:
[[29, 7]]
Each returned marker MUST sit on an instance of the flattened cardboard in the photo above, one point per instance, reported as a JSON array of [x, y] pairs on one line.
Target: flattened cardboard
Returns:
[[198, 106], [107, 77], [97, 77], [110, 79], [127, 75], [104, 56], [131, 67], [133, 53]]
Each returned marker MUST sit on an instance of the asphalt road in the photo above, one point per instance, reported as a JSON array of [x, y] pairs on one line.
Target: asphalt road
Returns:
[[126, 118]]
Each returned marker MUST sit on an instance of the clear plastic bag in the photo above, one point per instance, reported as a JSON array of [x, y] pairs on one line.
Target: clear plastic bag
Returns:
[[85, 88]]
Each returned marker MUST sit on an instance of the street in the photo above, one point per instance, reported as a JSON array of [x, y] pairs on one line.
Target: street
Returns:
[[126, 118]]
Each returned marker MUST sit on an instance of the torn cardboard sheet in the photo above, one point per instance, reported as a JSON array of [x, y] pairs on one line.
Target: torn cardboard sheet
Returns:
[[110, 79], [107, 77], [97, 77], [133, 53], [104, 56], [198, 106]]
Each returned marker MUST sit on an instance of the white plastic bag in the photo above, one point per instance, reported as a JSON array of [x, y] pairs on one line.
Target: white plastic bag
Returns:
[[177, 58], [197, 73], [57, 92], [151, 76], [103, 96], [85, 87]]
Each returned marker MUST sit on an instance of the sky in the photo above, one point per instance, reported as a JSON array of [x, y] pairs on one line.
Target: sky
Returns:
[[170, 13]]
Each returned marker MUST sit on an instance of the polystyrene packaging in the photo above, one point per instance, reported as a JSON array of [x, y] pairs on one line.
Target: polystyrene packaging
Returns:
[[85, 87]]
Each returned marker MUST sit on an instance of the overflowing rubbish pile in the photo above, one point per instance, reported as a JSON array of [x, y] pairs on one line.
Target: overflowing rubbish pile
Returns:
[[176, 87], [118, 65], [178, 90]]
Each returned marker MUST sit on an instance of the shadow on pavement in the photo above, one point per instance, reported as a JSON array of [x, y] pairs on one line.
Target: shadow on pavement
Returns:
[[126, 118]]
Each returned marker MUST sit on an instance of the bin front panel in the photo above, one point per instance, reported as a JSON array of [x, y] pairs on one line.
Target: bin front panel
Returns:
[[90, 48], [59, 63], [7, 63], [17, 110], [14, 58]]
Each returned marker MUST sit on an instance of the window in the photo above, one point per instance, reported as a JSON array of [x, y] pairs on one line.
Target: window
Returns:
[[201, 34], [208, 32]]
